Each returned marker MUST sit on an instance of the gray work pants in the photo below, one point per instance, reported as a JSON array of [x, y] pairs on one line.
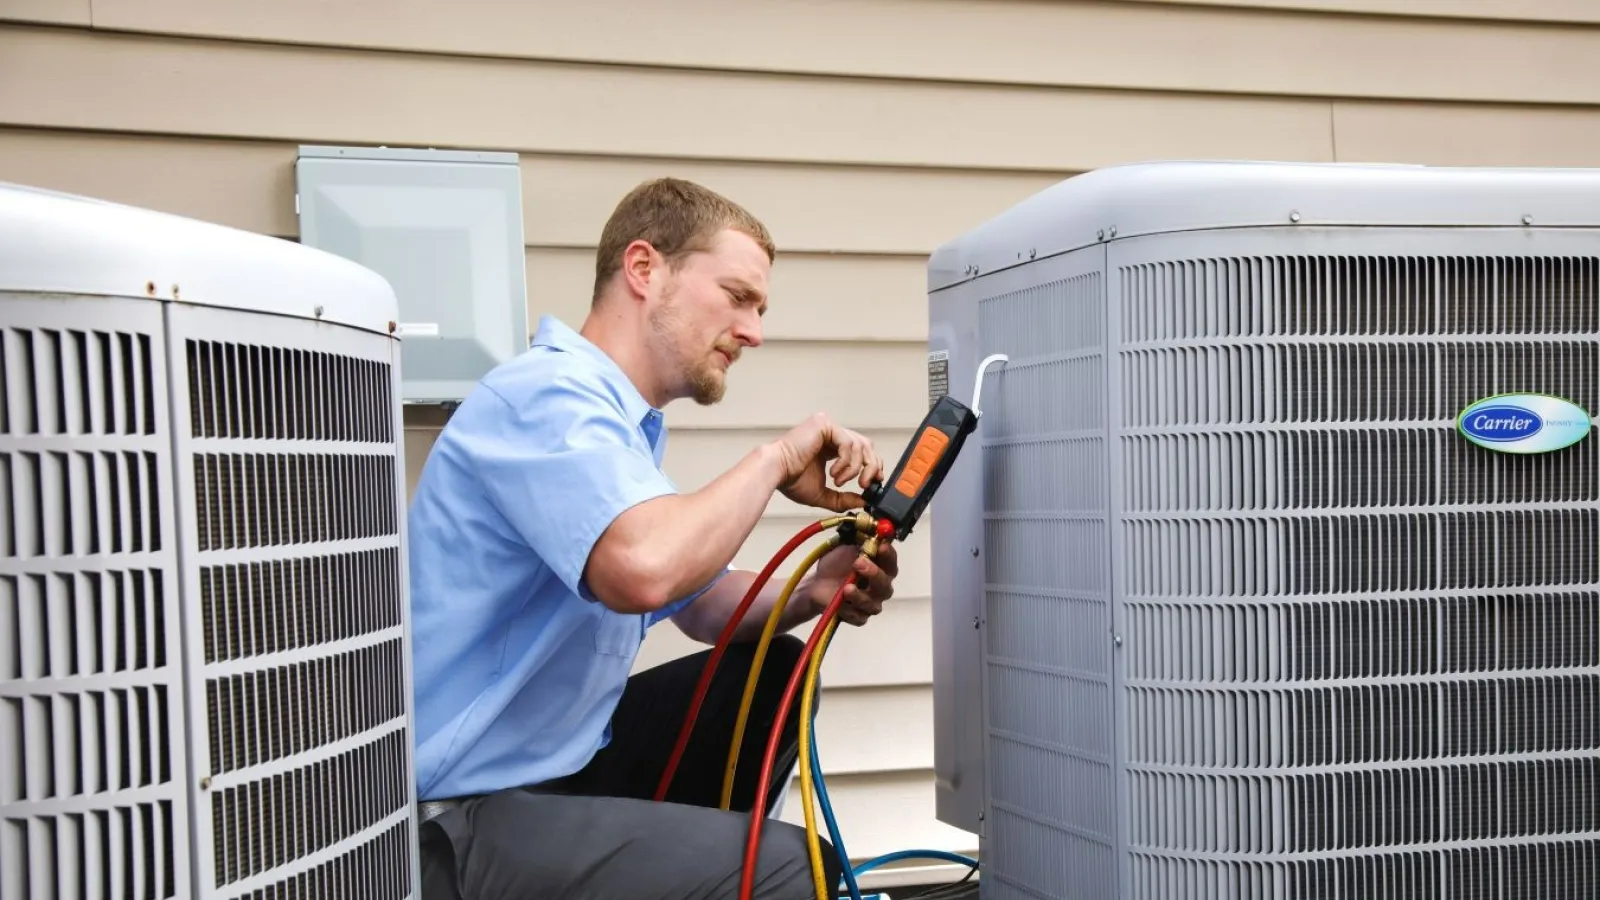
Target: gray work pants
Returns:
[[597, 833]]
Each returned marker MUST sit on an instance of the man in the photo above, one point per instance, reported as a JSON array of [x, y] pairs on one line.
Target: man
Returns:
[[545, 541]]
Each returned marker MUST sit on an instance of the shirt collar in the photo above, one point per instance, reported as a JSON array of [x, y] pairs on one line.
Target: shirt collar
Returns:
[[558, 335]]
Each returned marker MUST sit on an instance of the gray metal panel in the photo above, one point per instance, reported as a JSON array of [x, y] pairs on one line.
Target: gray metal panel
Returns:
[[1164, 197], [287, 451], [445, 229], [92, 783], [1359, 651], [1051, 816], [956, 538]]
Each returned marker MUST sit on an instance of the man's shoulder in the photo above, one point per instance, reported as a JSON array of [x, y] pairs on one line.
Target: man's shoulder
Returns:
[[542, 375]]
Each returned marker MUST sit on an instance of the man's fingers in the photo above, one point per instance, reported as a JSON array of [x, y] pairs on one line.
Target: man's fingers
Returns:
[[851, 452], [840, 501], [888, 559], [872, 468]]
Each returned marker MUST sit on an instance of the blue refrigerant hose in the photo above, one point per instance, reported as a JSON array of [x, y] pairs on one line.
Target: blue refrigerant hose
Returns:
[[851, 872], [827, 815]]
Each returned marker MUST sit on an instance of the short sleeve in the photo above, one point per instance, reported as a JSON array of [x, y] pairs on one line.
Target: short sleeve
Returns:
[[560, 462]]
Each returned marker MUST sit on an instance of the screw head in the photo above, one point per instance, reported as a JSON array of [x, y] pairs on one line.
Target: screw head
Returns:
[[1117, 639], [974, 552], [1294, 216], [1527, 220], [1033, 253], [318, 311], [1100, 235], [1113, 231]]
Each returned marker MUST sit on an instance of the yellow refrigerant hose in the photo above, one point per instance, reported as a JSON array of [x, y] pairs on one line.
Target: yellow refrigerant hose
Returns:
[[767, 632], [807, 789]]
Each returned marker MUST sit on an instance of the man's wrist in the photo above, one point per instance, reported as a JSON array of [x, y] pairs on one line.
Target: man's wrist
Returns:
[[818, 595], [771, 463]]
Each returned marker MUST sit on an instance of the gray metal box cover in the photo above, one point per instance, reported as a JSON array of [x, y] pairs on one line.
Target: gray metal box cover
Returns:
[[445, 228], [1254, 618]]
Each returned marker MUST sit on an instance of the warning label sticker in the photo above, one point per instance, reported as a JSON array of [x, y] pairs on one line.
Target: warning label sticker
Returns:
[[938, 376]]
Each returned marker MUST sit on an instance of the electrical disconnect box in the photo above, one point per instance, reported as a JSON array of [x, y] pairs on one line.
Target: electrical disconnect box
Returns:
[[444, 227]]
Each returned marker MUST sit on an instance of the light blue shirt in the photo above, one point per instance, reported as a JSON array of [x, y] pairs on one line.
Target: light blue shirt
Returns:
[[517, 667]]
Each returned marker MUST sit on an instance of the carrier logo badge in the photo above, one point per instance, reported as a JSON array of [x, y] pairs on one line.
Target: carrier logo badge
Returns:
[[1524, 423]]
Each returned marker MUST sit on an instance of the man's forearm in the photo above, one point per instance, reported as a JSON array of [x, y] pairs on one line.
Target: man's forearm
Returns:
[[671, 546], [704, 619]]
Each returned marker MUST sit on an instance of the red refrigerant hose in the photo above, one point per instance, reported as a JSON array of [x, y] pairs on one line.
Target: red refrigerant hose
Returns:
[[726, 638], [758, 815]]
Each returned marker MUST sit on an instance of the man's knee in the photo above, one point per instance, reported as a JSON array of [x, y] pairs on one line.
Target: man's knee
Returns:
[[525, 845], [786, 853], [776, 670], [783, 653]]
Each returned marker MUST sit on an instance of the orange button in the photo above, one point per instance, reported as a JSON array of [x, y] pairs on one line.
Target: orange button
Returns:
[[930, 446]]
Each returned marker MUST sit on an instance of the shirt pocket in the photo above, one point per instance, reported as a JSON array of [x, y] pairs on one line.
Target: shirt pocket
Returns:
[[617, 634]]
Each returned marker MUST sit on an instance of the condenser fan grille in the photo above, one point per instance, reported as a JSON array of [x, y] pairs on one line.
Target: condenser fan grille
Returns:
[[292, 449], [1346, 625]]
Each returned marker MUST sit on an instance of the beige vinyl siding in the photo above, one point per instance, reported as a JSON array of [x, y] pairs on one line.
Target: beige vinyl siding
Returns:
[[865, 132]]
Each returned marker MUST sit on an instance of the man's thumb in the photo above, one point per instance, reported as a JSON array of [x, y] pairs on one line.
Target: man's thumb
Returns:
[[841, 501]]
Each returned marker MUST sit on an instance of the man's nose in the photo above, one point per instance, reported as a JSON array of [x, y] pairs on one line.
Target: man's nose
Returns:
[[748, 330]]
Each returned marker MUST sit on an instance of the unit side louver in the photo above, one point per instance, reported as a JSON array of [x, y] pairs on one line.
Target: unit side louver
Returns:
[[92, 763], [290, 453], [1052, 807]]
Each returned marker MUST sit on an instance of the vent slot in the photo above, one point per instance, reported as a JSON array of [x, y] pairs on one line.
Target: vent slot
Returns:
[[78, 503], [1522, 632], [82, 855], [1564, 368], [248, 391], [268, 500], [74, 382], [266, 823], [1354, 296], [247, 608], [65, 624], [64, 745], [380, 869], [1515, 716], [269, 714], [1065, 316]]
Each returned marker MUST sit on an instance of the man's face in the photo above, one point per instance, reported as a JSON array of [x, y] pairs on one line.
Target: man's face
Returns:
[[709, 310]]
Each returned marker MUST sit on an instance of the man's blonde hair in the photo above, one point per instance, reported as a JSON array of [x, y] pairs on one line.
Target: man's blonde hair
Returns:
[[677, 218]]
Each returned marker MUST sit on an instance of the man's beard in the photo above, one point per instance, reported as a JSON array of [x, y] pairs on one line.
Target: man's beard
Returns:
[[705, 386]]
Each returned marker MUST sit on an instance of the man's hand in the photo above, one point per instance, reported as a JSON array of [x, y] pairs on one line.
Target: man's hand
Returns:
[[841, 563], [810, 446]]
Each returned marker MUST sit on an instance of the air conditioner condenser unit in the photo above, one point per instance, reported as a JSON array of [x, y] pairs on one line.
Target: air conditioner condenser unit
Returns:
[[1273, 569], [204, 640]]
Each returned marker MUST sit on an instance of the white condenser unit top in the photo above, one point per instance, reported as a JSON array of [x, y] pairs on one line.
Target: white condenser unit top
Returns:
[[1273, 569], [203, 636]]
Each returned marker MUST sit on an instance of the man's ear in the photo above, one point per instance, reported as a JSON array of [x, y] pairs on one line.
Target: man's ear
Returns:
[[641, 266]]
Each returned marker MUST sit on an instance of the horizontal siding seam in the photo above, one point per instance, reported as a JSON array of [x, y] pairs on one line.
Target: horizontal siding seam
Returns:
[[777, 74]]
